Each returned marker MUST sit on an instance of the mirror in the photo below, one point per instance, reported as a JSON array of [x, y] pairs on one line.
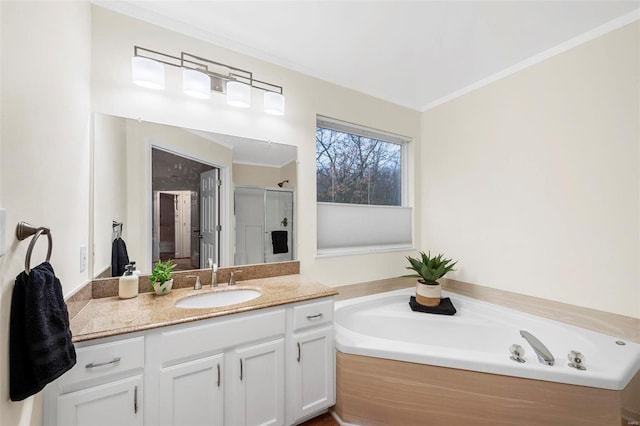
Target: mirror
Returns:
[[164, 192]]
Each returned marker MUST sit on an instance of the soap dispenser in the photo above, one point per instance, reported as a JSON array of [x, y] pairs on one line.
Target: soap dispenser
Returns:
[[128, 283], [133, 268]]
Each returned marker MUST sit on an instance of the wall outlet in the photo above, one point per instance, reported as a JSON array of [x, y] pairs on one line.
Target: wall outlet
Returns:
[[83, 258], [3, 232]]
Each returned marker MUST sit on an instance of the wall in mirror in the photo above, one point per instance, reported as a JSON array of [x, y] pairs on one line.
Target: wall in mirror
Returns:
[[174, 192]]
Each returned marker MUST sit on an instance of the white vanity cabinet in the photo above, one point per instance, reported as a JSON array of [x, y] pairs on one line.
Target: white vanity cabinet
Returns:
[[191, 393], [257, 396], [312, 372], [105, 387], [110, 404], [194, 375], [271, 366]]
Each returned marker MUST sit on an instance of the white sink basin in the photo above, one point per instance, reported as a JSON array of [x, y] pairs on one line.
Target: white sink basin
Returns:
[[217, 299]]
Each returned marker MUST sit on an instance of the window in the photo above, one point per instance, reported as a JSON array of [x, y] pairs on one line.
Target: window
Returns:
[[361, 189], [355, 168]]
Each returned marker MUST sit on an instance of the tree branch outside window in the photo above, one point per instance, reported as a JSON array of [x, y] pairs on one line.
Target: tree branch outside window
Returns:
[[357, 170]]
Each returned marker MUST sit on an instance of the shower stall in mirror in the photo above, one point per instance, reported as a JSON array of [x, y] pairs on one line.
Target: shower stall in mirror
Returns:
[[264, 225]]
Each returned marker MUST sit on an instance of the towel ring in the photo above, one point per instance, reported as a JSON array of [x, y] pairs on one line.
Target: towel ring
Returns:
[[26, 230]]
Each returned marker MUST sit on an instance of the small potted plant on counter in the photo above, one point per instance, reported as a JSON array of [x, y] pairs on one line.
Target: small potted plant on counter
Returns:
[[428, 269], [162, 277]]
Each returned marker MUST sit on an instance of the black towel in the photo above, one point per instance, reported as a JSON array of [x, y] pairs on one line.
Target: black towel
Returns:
[[279, 241], [40, 347], [119, 257], [444, 308]]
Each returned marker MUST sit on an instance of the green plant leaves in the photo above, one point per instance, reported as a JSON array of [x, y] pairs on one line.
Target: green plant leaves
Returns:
[[162, 271], [430, 268]]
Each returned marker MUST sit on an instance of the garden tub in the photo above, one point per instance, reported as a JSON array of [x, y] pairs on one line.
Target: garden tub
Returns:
[[478, 338], [395, 366]]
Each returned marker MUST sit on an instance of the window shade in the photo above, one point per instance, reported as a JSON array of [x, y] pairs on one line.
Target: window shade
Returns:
[[352, 228], [341, 126]]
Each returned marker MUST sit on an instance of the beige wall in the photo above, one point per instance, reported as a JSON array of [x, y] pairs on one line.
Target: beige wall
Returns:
[[290, 173], [114, 93], [109, 186], [533, 181], [245, 174], [44, 143]]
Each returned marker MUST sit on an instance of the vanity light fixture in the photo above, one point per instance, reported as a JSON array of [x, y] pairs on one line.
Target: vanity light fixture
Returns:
[[201, 76], [239, 94], [196, 83], [273, 103], [147, 73]]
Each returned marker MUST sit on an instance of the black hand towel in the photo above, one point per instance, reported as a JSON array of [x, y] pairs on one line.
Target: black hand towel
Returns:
[[40, 346], [279, 242], [119, 257], [444, 308]]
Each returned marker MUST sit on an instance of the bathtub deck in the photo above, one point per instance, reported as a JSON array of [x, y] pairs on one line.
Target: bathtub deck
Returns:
[[373, 391], [603, 322]]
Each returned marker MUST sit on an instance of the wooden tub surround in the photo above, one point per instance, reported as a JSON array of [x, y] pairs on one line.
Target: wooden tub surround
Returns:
[[376, 391]]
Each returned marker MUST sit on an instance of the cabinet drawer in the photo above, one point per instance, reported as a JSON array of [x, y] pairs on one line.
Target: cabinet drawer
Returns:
[[188, 341], [312, 314], [105, 359]]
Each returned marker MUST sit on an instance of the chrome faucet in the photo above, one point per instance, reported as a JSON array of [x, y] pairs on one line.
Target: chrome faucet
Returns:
[[198, 284], [544, 355], [214, 273], [232, 278]]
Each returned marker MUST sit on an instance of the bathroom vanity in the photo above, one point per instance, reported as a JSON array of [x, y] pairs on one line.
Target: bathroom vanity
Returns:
[[144, 361]]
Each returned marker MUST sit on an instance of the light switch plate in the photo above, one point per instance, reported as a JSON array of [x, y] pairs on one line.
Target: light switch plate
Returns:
[[3, 232]]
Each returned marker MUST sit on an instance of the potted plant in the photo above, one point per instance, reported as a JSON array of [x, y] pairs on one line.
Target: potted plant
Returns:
[[428, 269], [162, 277]]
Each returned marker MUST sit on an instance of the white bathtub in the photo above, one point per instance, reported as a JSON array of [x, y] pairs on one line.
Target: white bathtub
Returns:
[[478, 338]]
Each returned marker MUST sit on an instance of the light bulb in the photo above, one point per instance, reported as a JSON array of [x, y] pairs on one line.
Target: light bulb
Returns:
[[196, 84], [147, 73], [273, 103], [238, 94]]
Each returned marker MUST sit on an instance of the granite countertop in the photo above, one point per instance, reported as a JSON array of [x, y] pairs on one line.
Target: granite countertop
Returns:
[[111, 316]]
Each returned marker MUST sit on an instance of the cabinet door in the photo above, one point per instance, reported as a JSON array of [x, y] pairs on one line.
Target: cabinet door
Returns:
[[314, 371], [259, 382], [115, 403], [191, 393]]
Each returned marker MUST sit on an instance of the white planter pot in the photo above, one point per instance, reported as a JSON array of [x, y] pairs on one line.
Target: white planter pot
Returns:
[[427, 294], [163, 288]]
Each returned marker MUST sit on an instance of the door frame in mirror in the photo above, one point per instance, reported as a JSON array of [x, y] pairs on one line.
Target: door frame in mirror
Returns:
[[225, 189]]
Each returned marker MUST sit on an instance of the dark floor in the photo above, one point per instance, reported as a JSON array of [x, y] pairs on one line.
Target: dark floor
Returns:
[[325, 419], [183, 264]]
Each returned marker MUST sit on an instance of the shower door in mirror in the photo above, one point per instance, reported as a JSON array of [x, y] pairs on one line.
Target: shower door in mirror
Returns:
[[264, 225], [279, 224]]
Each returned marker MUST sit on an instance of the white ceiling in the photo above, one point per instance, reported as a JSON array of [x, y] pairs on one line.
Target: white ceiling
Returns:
[[412, 53], [251, 151]]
